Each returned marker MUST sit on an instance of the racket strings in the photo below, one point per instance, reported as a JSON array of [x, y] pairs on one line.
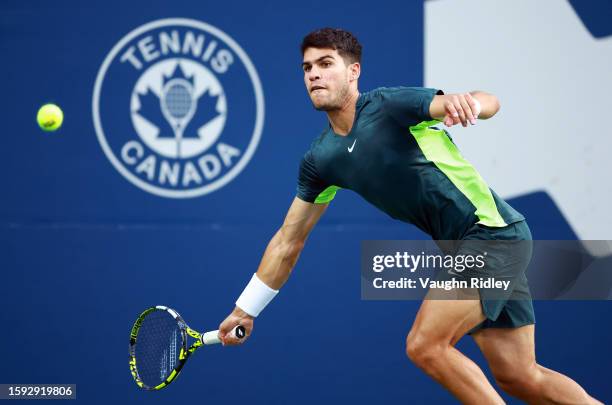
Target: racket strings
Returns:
[[157, 347], [178, 100]]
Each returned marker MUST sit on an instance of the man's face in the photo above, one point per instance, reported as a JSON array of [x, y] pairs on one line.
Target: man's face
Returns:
[[326, 77]]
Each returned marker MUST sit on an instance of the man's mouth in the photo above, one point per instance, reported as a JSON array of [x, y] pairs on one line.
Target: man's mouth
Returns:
[[313, 88]]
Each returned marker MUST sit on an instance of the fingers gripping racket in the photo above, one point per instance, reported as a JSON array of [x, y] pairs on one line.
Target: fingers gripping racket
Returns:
[[158, 346]]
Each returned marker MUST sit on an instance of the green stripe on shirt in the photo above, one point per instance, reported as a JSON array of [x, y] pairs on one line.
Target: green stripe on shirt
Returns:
[[326, 195], [441, 151]]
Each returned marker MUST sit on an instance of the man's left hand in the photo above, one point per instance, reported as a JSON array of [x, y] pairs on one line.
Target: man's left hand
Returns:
[[461, 108]]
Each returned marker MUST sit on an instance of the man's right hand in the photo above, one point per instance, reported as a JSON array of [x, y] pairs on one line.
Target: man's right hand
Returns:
[[237, 317]]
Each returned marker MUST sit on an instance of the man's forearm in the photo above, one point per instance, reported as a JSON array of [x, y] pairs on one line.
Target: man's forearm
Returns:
[[488, 102], [279, 259], [277, 263]]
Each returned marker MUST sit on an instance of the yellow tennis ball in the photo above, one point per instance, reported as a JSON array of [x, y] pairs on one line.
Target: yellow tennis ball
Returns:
[[50, 117]]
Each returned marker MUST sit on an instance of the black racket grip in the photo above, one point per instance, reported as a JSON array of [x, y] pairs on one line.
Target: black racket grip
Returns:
[[240, 332], [211, 338]]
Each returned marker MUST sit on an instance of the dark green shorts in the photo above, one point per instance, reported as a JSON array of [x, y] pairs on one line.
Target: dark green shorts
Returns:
[[507, 259]]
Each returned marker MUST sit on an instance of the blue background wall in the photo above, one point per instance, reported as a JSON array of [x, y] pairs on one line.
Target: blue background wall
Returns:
[[83, 251]]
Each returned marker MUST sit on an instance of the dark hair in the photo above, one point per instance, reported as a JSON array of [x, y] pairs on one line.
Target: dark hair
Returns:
[[334, 38]]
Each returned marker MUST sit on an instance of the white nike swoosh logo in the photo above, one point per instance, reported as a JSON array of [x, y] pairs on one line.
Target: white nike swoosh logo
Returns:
[[352, 146]]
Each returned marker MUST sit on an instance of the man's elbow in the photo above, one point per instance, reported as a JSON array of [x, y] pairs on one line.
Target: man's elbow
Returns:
[[496, 105], [489, 103]]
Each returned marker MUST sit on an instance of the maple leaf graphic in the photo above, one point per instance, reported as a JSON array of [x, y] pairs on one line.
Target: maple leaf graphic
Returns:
[[150, 109], [206, 110]]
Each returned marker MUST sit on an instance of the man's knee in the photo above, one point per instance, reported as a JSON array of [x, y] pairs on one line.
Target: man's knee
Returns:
[[519, 380], [422, 350]]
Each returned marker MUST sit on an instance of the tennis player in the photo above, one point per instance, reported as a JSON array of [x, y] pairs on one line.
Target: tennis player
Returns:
[[382, 145]]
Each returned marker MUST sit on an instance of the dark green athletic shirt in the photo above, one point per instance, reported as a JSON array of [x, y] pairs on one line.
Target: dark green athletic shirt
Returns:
[[397, 160]]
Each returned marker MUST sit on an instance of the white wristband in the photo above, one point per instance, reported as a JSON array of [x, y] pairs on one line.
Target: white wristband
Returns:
[[255, 296]]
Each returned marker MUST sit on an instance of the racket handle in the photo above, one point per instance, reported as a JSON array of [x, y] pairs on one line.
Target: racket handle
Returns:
[[212, 337]]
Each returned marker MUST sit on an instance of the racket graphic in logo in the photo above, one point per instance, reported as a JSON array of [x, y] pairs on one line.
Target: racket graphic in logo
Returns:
[[178, 107]]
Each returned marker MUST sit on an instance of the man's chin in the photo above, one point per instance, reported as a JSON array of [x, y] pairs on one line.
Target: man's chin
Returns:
[[321, 106]]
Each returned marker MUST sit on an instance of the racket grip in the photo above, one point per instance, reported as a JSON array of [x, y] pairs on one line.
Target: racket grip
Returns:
[[212, 337]]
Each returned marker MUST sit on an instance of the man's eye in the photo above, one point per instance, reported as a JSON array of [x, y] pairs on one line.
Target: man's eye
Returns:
[[326, 64], [306, 68]]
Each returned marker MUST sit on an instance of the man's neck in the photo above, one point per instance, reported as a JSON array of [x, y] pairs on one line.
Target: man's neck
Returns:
[[341, 120]]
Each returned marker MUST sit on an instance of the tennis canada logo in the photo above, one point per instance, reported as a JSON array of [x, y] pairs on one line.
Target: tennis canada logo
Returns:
[[178, 108]]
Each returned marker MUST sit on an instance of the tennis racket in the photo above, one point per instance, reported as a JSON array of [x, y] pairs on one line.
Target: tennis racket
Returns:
[[158, 346]]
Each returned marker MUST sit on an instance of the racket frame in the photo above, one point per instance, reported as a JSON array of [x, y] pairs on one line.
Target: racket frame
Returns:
[[184, 352]]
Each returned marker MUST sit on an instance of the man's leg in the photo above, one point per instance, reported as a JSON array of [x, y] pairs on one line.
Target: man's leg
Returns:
[[511, 356], [438, 326]]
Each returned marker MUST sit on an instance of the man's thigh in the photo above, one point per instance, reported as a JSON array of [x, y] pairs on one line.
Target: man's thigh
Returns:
[[507, 349]]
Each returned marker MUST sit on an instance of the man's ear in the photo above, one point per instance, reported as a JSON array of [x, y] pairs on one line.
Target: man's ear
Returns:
[[355, 71]]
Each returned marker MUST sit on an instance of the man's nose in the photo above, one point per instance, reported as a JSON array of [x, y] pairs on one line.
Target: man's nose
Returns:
[[314, 74]]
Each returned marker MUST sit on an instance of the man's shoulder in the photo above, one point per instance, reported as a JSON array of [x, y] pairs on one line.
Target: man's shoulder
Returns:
[[381, 96], [386, 90], [391, 89], [374, 94]]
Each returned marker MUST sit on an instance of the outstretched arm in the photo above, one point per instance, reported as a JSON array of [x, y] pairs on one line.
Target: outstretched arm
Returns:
[[278, 260], [463, 108]]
